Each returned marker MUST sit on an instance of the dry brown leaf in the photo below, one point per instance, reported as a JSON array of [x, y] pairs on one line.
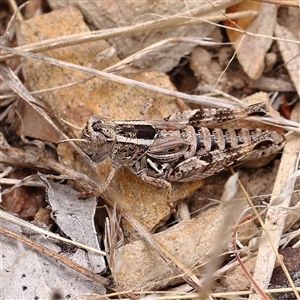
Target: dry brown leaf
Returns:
[[241, 23], [290, 54], [23, 200], [251, 49]]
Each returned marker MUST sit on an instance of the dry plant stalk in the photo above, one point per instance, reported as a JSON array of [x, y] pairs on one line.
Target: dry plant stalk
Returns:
[[275, 218]]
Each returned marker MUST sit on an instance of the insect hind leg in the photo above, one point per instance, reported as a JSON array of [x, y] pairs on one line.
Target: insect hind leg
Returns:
[[159, 182], [216, 116]]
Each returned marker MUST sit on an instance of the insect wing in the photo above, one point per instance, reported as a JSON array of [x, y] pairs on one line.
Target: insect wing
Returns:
[[133, 140]]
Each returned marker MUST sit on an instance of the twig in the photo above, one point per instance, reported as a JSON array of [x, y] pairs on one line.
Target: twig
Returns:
[[6, 216], [116, 78], [50, 253], [17, 9], [275, 218], [165, 22], [12, 20]]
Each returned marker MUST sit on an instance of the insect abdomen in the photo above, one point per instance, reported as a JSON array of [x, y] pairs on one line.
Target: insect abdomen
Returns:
[[221, 139], [225, 147]]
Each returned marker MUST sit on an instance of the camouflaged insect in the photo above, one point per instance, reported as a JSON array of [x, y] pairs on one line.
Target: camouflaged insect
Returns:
[[183, 147]]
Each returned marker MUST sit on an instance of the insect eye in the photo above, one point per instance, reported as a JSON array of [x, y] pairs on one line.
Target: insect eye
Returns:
[[106, 132], [103, 128]]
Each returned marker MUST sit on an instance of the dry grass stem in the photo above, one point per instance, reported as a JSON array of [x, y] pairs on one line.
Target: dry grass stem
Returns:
[[204, 100], [214, 263], [169, 295], [191, 98], [12, 219], [275, 218], [164, 22], [82, 38], [130, 59], [62, 259]]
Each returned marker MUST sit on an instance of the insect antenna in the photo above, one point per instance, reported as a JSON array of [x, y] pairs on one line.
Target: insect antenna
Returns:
[[52, 114]]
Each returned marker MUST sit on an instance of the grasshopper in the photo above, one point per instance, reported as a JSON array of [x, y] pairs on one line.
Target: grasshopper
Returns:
[[183, 147]]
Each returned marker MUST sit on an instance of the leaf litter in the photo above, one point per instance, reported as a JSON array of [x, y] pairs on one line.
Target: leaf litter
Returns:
[[181, 252]]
